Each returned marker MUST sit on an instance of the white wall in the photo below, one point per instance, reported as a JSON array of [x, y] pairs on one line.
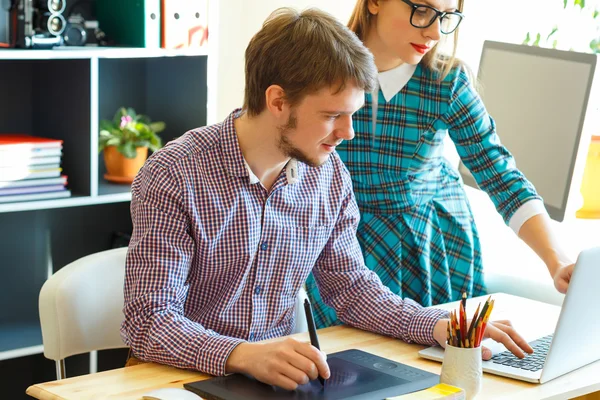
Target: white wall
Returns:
[[237, 21]]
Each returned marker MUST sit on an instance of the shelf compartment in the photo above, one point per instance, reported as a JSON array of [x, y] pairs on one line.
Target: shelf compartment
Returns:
[[20, 339], [51, 98], [169, 89]]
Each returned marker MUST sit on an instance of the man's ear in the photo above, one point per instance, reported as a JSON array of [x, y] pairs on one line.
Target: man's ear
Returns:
[[275, 101], [373, 6]]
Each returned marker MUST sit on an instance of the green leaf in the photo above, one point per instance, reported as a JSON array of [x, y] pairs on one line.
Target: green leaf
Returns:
[[595, 45], [596, 13], [128, 150], [131, 113], [527, 39], [113, 142], [537, 40], [158, 126], [554, 30], [580, 3], [105, 133], [106, 125], [555, 44], [565, 4]]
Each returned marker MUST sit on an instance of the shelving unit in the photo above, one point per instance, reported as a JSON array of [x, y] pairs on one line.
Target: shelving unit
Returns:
[[63, 94]]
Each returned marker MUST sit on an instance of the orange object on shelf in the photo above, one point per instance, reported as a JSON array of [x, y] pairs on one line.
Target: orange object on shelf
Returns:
[[590, 186], [121, 169]]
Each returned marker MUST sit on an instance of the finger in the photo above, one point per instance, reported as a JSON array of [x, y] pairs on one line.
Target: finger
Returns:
[[517, 338], [305, 365], [283, 382], [293, 373], [316, 356], [503, 322], [486, 353], [502, 337]]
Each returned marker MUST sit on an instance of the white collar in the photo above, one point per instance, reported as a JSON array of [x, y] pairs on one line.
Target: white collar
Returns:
[[392, 81], [291, 172]]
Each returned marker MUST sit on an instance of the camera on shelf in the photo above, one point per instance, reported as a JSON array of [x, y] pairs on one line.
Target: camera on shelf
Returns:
[[42, 24]]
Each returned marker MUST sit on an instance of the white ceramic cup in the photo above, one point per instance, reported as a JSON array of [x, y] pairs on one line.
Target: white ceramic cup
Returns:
[[462, 368]]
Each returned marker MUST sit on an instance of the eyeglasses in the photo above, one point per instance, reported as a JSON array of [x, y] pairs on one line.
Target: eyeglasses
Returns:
[[424, 16]]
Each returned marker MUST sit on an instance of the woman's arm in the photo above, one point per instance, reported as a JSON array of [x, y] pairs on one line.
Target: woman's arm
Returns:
[[537, 232]]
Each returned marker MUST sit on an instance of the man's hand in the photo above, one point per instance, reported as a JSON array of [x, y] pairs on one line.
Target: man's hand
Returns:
[[562, 277], [286, 364], [500, 331]]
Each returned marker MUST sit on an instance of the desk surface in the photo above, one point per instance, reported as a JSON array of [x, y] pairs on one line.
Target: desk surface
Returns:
[[133, 382]]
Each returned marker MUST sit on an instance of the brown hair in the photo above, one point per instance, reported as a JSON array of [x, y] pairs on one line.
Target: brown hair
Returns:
[[360, 22], [304, 52]]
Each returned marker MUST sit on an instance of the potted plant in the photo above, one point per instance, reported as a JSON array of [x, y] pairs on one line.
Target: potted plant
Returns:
[[125, 141]]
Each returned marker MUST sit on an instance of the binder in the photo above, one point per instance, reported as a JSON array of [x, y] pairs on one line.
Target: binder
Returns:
[[130, 23], [184, 24]]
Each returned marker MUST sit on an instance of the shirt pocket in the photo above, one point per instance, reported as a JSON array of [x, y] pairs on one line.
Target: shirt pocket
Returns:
[[299, 248]]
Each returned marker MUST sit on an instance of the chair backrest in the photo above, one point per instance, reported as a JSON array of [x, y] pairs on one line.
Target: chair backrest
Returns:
[[81, 305], [301, 324]]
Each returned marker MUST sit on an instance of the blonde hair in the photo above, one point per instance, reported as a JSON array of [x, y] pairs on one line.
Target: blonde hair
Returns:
[[304, 52], [360, 22]]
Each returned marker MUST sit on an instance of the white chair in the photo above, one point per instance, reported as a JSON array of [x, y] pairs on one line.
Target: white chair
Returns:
[[81, 308]]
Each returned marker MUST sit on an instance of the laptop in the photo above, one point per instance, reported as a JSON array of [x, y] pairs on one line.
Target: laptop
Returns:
[[572, 343]]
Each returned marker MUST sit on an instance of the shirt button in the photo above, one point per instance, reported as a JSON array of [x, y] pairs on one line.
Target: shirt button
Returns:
[[264, 246], [257, 290]]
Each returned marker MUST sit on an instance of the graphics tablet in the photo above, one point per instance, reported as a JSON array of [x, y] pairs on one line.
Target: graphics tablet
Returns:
[[355, 375]]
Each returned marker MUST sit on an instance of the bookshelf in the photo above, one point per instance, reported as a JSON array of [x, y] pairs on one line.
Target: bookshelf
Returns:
[[63, 94]]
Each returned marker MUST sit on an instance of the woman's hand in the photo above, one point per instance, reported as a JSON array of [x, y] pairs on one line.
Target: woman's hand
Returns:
[[562, 277]]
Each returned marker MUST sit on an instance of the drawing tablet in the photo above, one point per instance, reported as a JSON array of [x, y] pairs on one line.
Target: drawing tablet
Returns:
[[355, 375]]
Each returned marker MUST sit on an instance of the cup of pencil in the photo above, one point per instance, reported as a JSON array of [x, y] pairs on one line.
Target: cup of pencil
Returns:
[[462, 357]]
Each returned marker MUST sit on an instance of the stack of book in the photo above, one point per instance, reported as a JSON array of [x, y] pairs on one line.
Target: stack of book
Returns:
[[30, 168]]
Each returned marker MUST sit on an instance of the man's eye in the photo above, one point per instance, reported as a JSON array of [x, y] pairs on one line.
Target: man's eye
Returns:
[[333, 117]]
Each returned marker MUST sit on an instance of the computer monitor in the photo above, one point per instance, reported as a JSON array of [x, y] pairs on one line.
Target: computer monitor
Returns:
[[541, 100]]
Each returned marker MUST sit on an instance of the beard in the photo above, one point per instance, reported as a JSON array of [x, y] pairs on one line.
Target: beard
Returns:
[[288, 148]]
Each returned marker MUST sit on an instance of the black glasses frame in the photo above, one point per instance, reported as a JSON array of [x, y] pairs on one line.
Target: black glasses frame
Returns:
[[438, 14]]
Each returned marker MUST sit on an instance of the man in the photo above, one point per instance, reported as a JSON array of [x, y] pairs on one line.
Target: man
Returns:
[[230, 219]]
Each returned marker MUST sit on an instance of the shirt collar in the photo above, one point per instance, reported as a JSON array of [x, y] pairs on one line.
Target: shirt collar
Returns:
[[291, 172], [392, 81], [234, 161]]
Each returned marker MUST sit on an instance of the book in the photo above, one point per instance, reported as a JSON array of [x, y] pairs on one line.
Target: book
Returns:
[[26, 161], [62, 180], [7, 174], [30, 189], [19, 141], [17, 153], [440, 391], [35, 196], [131, 23]]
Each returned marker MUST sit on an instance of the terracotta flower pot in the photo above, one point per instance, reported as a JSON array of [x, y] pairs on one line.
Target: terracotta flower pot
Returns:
[[121, 169]]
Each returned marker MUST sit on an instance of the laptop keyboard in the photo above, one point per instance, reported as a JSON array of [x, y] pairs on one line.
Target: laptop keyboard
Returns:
[[531, 362]]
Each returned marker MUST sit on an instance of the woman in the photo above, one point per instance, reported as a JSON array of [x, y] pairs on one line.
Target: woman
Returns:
[[417, 230]]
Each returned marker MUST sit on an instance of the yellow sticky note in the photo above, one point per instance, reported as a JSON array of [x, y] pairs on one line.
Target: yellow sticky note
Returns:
[[437, 392]]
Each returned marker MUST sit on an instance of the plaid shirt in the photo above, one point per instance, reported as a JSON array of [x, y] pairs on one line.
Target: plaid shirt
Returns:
[[216, 259]]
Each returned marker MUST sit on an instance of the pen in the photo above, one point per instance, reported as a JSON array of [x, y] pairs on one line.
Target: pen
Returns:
[[312, 331]]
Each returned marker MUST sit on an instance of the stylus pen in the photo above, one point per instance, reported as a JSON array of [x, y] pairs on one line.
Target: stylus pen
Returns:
[[312, 331]]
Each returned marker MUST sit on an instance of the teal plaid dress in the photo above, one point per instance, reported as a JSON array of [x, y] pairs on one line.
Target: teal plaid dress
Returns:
[[417, 230]]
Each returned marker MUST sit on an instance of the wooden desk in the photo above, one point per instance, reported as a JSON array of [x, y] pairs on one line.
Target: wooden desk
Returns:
[[133, 382]]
